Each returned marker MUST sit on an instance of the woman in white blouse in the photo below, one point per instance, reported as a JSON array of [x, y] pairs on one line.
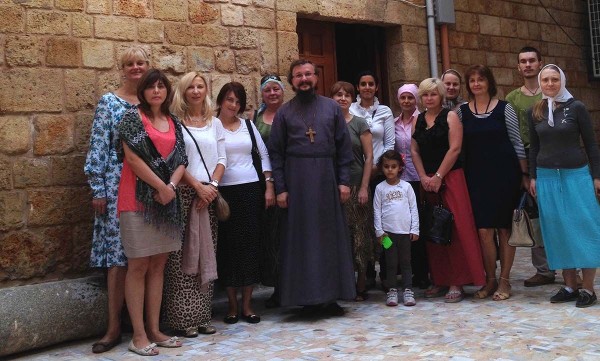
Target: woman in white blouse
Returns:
[[186, 301], [381, 123], [238, 250]]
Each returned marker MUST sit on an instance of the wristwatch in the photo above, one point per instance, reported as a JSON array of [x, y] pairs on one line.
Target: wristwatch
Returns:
[[270, 179], [439, 175], [214, 183]]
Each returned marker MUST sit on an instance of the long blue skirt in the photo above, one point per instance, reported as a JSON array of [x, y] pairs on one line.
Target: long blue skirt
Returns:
[[569, 217]]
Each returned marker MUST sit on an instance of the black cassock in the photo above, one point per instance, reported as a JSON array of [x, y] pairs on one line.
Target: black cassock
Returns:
[[315, 254]]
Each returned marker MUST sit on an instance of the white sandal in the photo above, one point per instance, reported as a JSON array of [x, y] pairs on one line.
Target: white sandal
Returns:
[[149, 350]]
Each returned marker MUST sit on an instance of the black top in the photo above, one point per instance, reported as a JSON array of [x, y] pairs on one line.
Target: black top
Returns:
[[560, 146], [433, 142]]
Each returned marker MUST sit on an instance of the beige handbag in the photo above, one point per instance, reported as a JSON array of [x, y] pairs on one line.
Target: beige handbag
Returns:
[[523, 233]]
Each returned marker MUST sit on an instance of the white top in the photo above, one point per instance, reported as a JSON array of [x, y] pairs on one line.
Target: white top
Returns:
[[381, 121], [238, 146], [395, 209], [211, 140]]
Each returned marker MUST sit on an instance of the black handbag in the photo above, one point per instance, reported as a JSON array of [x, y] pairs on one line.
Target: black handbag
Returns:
[[437, 222]]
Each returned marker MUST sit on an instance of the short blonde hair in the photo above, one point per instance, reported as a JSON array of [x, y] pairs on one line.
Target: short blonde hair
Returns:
[[134, 52], [431, 84], [180, 107]]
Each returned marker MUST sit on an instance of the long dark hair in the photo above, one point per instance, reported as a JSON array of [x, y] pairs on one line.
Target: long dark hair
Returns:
[[237, 89], [147, 80]]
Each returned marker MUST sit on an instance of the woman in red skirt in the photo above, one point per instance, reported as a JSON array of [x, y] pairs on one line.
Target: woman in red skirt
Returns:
[[435, 149]]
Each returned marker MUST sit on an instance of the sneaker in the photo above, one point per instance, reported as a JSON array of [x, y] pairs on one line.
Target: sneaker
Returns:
[[409, 297], [538, 280], [586, 299], [564, 296], [392, 297]]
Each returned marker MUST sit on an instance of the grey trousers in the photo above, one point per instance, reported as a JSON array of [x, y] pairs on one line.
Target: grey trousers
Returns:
[[399, 252], [540, 262]]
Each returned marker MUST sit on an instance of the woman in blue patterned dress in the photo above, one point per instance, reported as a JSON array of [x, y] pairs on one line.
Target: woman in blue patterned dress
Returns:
[[104, 172]]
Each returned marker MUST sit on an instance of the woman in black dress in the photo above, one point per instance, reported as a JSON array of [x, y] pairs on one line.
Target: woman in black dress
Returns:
[[495, 168]]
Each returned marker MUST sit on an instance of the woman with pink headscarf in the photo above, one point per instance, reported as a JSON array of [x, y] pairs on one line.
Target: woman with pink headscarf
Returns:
[[404, 129]]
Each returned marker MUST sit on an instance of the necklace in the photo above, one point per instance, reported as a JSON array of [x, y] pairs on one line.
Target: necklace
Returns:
[[196, 120], [310, 133], [486, 107], [529, 90]]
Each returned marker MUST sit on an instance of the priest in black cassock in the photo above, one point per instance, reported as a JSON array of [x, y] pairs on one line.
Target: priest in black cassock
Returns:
[[310, 152]]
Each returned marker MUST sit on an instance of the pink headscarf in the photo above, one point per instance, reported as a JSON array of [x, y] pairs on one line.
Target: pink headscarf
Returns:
[[408, 88]]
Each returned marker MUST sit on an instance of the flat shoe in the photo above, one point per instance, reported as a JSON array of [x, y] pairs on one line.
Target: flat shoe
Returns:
[[231, 319], [149, 350], [207, 330], [173, 342], [436, 291], [191, 332], [251, 318], [100, 346], [454, 297]]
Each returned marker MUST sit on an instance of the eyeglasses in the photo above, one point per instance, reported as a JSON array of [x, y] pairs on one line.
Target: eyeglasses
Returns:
[[305, 75]]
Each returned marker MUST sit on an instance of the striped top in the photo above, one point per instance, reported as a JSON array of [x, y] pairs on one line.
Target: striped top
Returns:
[[512, 127]]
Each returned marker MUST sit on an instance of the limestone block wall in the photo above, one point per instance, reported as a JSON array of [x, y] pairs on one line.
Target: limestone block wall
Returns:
[[492, 32], [57, 57]]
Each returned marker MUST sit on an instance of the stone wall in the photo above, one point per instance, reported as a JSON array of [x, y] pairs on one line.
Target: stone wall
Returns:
[[57, 57]]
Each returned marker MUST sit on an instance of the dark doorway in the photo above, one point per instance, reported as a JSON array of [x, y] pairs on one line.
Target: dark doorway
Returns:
[[342, 51], [361, 47]]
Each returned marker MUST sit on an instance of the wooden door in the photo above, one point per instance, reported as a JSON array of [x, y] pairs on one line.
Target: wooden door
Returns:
[[316, 42]]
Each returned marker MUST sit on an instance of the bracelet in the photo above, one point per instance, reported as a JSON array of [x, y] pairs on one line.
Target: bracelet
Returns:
[[270, 179], [173, 186], [439, 175]]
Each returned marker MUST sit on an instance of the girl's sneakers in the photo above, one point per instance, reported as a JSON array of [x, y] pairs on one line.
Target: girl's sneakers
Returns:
[[409, 297], [392, 297]]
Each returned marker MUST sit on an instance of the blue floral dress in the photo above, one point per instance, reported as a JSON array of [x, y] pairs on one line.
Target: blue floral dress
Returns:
[[104, 172]]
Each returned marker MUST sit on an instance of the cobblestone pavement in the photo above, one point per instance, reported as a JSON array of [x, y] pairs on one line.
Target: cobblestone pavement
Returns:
[[525, 327]]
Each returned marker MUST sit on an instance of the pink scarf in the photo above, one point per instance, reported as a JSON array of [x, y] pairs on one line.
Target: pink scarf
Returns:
[[198, 250]]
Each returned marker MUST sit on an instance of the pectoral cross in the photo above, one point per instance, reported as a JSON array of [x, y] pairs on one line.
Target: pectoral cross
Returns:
[[311, 134]]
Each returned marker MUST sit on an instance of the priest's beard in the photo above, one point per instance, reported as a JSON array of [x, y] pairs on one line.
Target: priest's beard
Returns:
[[305, 95]]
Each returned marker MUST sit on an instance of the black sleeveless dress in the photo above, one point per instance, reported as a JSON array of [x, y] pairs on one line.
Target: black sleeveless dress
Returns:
[[491, 167]]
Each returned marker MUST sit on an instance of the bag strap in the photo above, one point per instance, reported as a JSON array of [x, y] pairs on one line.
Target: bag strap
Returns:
[[522, 201], [254, 147], [251, 131], [199, 152]]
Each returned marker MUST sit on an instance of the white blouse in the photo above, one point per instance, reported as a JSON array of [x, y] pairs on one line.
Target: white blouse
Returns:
[[238, 147], [211, 140], [381, 121]]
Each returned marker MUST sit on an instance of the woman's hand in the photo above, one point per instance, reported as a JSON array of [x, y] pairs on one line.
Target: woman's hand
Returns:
[[206, 192], [363, 195], [435, 183], [164, 195], [597, 188], [533, 191], [426, 182], [270, 199], [201, 204], [99, 205]]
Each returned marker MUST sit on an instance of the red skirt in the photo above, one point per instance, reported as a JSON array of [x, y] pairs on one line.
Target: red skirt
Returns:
[[461, 262]]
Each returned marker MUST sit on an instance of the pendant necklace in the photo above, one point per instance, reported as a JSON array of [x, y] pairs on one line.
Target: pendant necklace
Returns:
[[486, 108], [310, 133], [529, 90]]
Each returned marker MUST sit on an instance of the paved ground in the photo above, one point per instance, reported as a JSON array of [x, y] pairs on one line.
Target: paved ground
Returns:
[[525, 327]]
